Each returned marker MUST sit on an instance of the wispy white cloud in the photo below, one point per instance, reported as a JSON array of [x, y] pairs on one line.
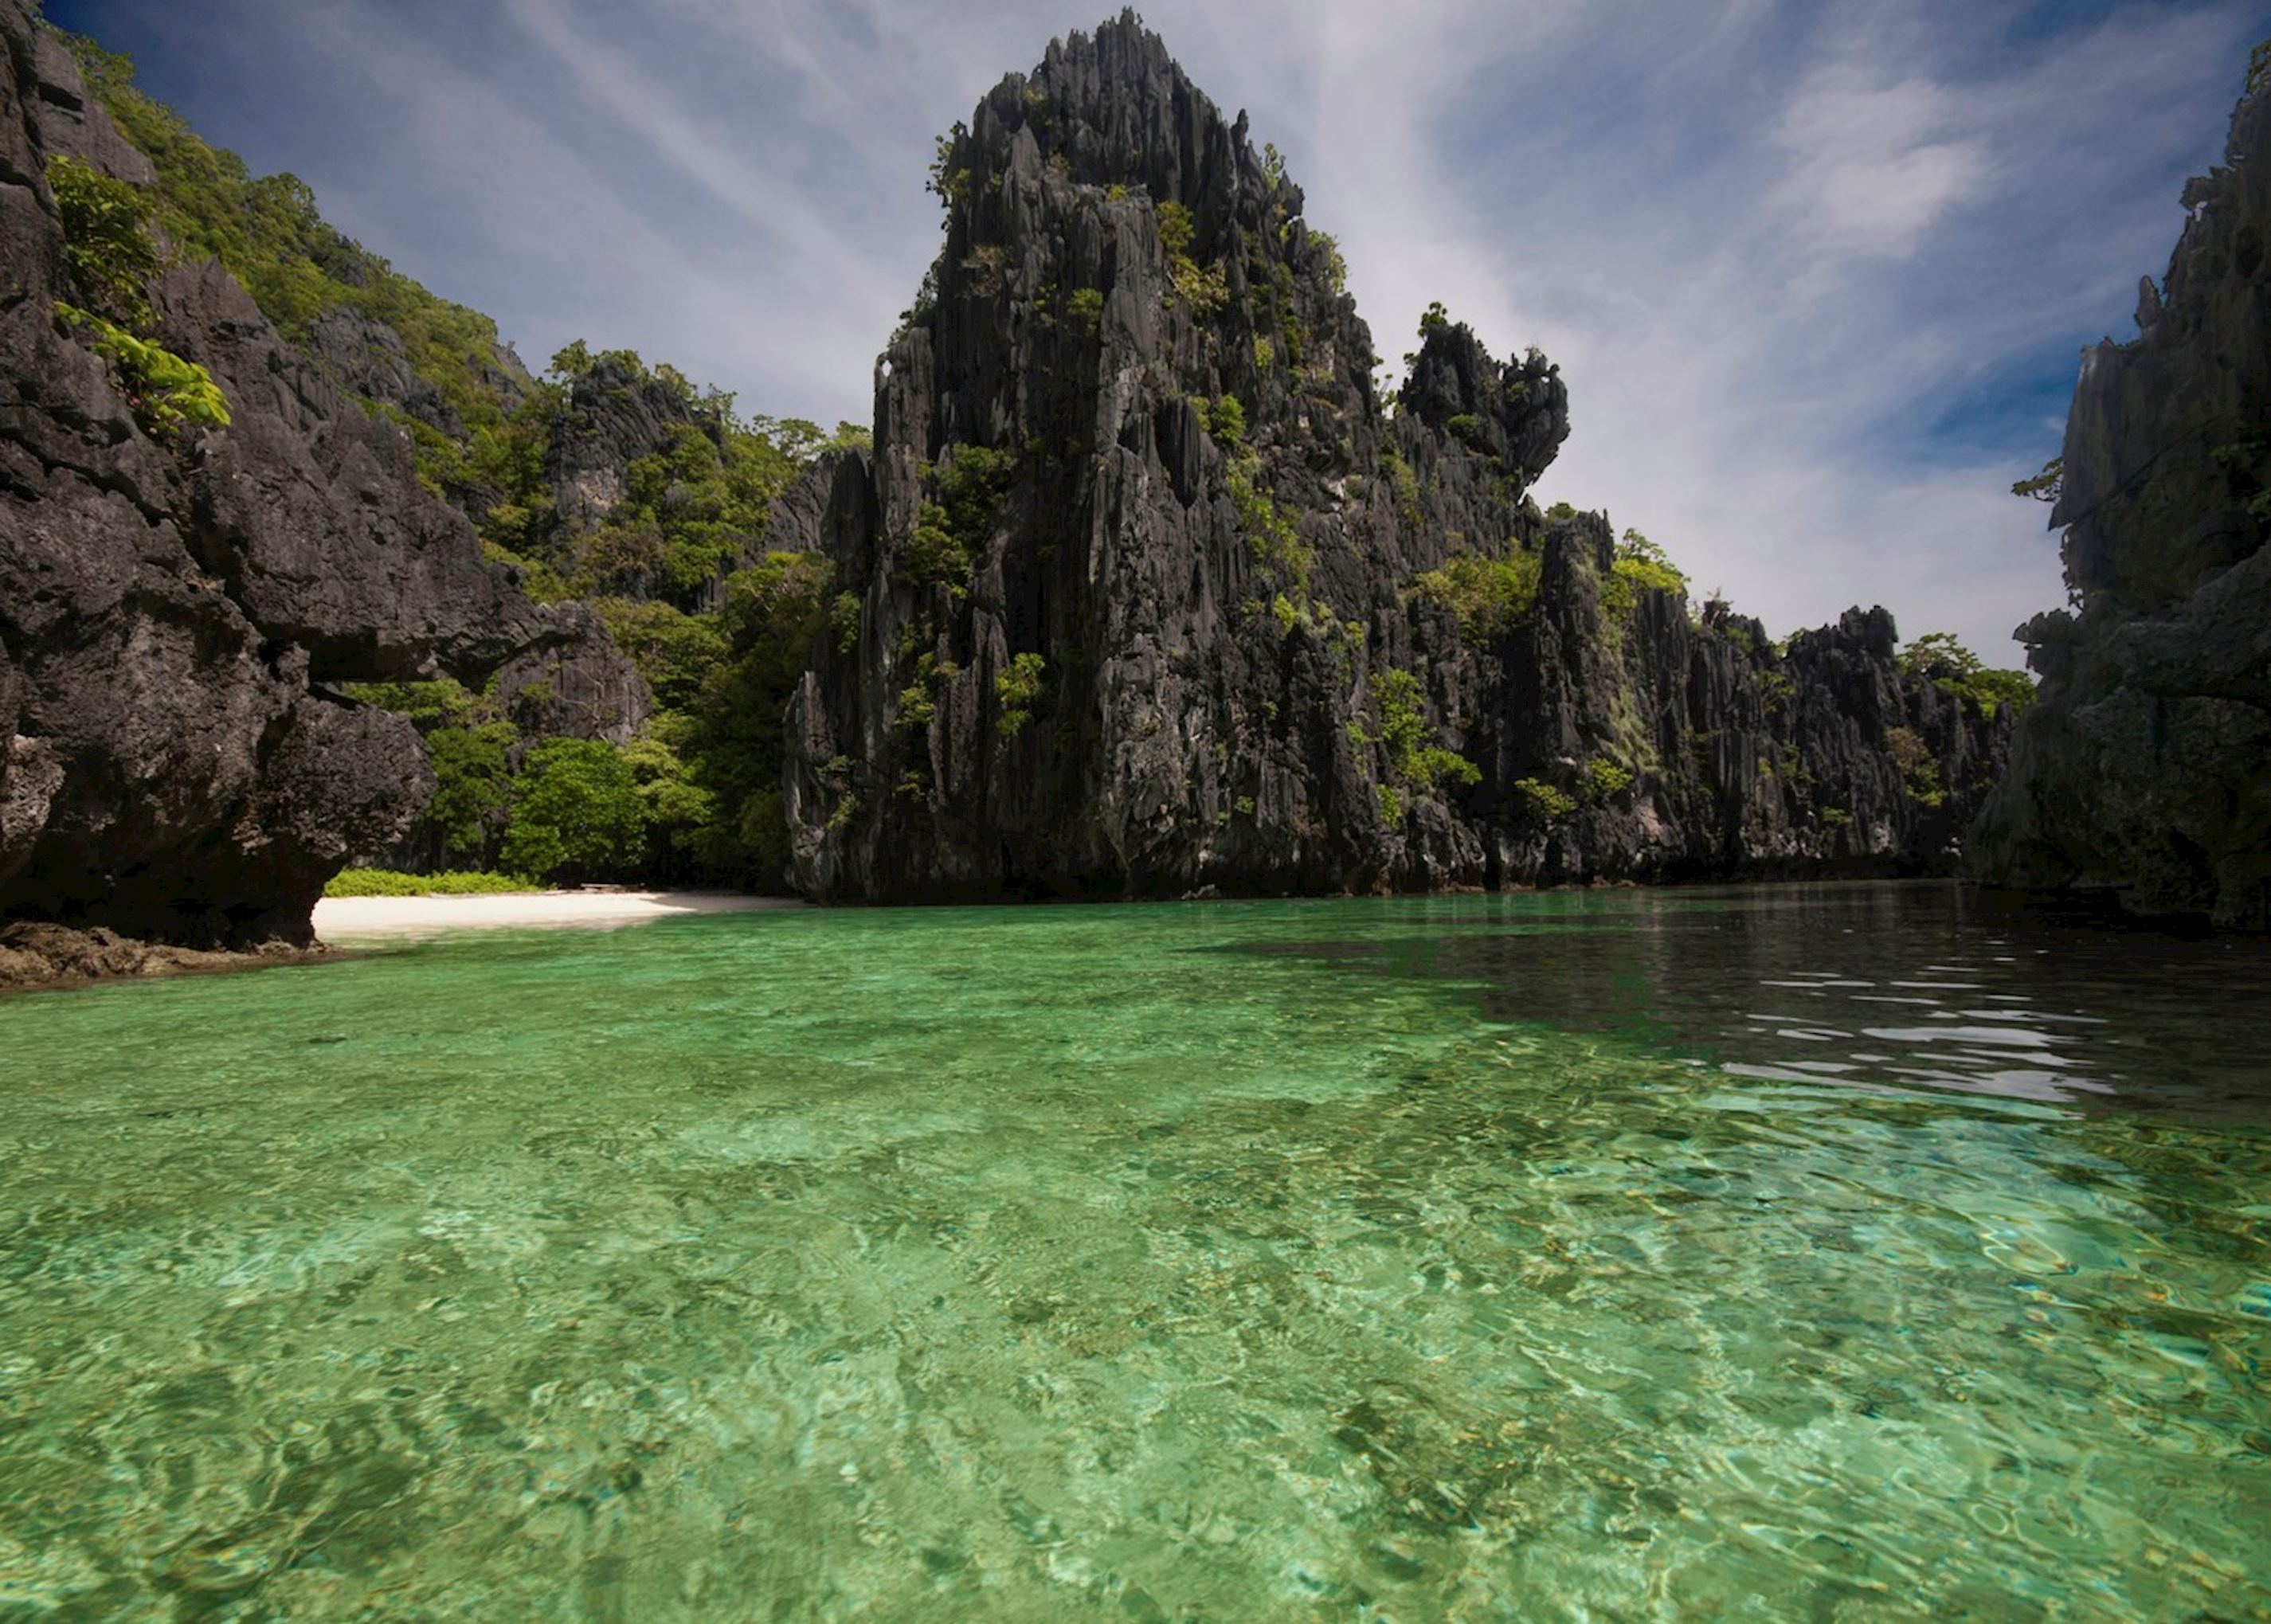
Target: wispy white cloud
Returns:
[[1871, 172], [1805, 263]]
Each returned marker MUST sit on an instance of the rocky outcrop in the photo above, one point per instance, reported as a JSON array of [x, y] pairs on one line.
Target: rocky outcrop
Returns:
[[577, 687], [1147, 591], [2144, 770], [177, 608], [39, 954], [616, 413]]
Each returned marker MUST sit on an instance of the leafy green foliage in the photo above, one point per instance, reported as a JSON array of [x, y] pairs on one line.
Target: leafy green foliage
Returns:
[[387, 883], [734, 742], [1954, 669], [1919, 768], [169, 395], [106, 242], [1487, 596], [1275, 539], [1406, 483], [268, 235], [1418, 762], [1205, 288], [1328, 249], [1605, 780], [472, 793], [428, 705], [1543, 801], [1638, 566], [675, 651], [2048, 486], [950, 533], [1223, 419], [576, 811], [948, 180], [1086, 307], [1018, 690], [680, 812]]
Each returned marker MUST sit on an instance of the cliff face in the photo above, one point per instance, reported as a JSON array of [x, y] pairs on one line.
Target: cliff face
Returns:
[[1146, 590], [177, 607], [2145, 768]]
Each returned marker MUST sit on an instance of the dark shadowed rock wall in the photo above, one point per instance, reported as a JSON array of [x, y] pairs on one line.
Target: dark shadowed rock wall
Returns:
[[1104, 634], [175, 612], [2144, 770]]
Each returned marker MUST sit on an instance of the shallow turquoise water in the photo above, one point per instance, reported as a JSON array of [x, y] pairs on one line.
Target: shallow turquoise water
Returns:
[[1839, 1254]]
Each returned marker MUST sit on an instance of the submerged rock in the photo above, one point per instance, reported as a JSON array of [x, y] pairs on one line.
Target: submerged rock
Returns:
[[1148, 590], [2144, 770]]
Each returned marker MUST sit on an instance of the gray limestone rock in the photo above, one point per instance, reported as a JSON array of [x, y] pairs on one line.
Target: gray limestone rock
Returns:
[[1130, 433], [2144, 770], [174, 613]]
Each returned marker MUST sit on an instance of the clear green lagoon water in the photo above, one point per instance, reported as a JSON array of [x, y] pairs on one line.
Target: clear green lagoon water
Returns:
[[1810, 1253]]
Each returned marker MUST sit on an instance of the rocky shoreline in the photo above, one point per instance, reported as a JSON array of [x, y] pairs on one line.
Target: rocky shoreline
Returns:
[[36, 955]]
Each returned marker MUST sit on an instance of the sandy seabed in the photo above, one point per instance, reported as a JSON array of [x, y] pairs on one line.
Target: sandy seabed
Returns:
[[356, 919]]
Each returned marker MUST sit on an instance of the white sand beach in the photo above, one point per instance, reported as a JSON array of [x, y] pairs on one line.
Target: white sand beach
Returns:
[[363, 919]]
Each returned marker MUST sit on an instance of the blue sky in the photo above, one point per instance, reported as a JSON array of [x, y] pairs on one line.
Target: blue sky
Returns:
[[1817, 273]]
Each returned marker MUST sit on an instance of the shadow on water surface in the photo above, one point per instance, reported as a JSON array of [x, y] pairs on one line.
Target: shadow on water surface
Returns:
[[1900, 984]]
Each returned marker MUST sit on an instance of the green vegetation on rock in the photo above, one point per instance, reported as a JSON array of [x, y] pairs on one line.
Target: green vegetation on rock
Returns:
[[1640, 566], [1954, 669], [1018, 690], [1418, 763], [111, 256], [1487, 596]]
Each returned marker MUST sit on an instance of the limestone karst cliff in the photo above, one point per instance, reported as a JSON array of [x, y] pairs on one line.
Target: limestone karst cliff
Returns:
[[1146, 589], [1147, 585], [180, 603], [2144, 772]]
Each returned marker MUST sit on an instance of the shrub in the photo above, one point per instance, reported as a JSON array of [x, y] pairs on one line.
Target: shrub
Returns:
[[426, 705], [675, 651], [1919, 768], [1087, 308], [168, 395], [388, 882], [1605, 780], [107, 241], [950, 533], [1545, 802], [1406, 483], [1224, 419], [1488, 596], [1954, 669], [1640, 566], [1417, 762], [1276, 543], [2048, 486], [1206, 289], [1018, 690]]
